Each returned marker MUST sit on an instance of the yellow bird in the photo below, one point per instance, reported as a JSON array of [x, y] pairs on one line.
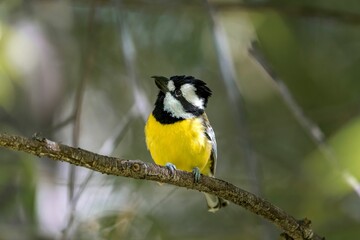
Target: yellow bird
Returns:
[[178, 132]]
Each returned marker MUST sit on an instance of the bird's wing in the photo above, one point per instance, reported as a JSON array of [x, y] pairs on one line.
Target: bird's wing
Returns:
[[210, 134]]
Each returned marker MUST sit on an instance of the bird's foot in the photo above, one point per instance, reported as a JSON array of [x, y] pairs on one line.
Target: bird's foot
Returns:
[[171, 167], [197, 174]]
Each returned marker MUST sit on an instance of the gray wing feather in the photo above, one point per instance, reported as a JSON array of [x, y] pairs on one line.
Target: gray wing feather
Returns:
[[214, 203], [210, 134]]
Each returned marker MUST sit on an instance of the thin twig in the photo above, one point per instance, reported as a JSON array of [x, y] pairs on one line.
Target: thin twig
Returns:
[[79, 97], [106, 149], [129, 53], [137, 169], [62, 124], [287, 9], [5, 117], [313, 130], [228, 72], [292, 10]]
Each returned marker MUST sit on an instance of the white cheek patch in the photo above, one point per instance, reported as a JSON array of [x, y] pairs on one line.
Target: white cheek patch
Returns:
[[189, 94], [175, 108], [171, 85]]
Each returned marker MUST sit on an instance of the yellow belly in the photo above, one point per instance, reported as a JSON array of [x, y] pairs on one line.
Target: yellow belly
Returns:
[[183, 144]]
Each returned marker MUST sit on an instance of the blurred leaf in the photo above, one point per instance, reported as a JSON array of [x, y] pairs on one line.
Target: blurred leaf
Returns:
[[7, 92]]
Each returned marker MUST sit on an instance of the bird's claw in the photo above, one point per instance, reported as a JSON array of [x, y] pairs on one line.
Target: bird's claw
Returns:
[[171, 167], [197, 174]]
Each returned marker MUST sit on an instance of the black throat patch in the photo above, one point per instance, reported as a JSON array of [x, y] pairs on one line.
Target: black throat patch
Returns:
[[165, 117]]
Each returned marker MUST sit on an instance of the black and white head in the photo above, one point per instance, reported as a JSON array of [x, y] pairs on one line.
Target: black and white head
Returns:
[[180, 97]]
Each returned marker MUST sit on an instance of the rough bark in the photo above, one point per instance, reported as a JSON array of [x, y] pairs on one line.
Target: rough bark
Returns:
[[42, 147]]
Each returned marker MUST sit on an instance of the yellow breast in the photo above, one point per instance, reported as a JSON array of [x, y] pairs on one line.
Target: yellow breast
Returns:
[[183, 143]]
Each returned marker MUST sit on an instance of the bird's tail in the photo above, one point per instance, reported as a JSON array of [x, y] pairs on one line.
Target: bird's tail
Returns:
[[215, 203]]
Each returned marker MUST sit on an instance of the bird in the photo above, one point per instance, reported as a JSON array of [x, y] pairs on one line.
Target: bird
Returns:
[[178, 133]]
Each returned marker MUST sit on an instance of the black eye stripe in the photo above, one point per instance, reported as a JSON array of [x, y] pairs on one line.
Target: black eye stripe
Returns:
[[189, 108]]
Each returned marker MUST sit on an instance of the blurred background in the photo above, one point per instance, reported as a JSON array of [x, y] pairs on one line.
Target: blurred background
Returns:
[[285, 109]]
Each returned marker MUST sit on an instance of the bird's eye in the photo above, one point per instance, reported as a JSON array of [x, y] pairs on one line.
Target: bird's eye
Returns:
[[178, 93]]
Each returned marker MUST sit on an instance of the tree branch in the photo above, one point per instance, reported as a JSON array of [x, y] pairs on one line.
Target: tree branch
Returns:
[[137, 169]]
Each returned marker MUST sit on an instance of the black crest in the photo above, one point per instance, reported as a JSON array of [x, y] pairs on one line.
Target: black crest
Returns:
[[202, 89]]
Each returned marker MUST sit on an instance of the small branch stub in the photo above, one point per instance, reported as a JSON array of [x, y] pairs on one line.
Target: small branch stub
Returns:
[[136, 167]]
